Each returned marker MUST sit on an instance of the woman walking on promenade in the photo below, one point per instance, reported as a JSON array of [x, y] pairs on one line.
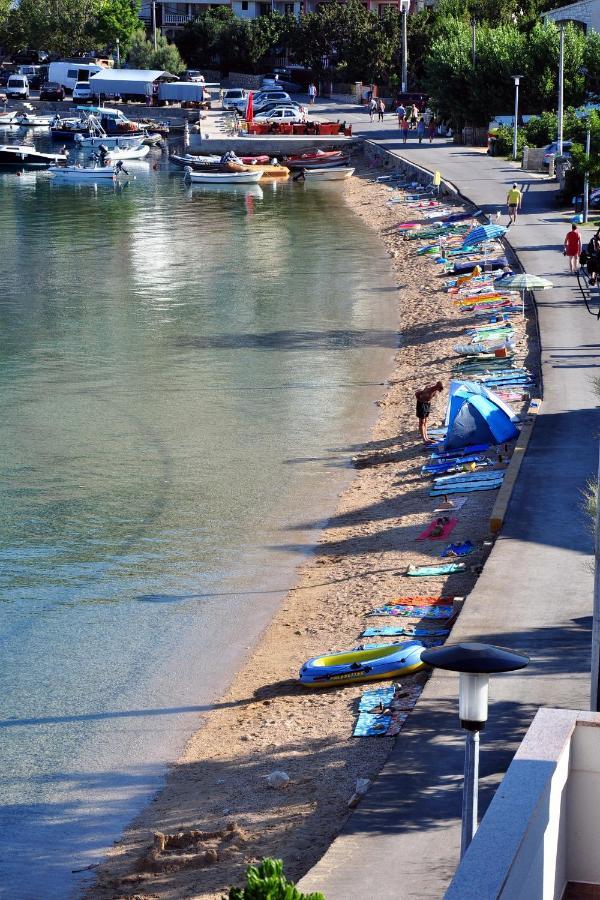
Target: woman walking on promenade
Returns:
[[572, 247], [431, 129], [404, 125], [380, 110], [421, 130]]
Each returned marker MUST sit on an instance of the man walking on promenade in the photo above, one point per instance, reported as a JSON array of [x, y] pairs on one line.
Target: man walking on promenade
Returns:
[[372, 108], [424, 397], [312, 92], [513, 199], [380, 110], [572, 247]]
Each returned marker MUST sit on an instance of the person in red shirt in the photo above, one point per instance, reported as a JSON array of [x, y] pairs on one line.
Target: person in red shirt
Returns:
[[573, 247]]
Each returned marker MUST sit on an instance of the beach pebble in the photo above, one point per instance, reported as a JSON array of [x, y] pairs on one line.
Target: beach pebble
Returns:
[[278, 779]]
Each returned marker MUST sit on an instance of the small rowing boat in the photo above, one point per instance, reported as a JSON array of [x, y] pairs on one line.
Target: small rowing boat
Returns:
[[222, 177], [134, 152], [363, 665], [90, 173], [339, 174]]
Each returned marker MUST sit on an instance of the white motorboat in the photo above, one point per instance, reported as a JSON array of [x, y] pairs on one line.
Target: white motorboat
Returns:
[[222, 177], [325, 174], [110, 141], [90, 173], [25, 156], [132, 152], [25, 120]]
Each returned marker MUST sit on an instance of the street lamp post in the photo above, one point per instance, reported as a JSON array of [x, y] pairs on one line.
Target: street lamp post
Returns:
[[517, 81], [475, 663], [404, 8], [474, 41], [586, 177], [118, 53], [561, 84]]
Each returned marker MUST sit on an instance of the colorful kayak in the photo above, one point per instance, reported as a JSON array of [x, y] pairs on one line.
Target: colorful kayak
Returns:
[[363, 665]]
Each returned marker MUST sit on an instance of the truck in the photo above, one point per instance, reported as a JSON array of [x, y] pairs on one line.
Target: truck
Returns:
[[69, 73]]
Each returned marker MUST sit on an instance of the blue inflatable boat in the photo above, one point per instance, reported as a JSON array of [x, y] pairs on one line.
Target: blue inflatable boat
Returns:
[[363, 665]]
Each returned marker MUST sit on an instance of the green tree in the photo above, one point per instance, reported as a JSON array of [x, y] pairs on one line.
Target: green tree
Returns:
[[199, 39], [118, 19], [142, 54], [60, 26]]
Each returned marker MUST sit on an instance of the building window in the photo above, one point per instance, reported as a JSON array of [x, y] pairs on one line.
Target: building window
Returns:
[[244, 5]]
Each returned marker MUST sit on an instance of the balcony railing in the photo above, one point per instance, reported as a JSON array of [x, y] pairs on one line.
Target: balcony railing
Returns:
[[176, 18]]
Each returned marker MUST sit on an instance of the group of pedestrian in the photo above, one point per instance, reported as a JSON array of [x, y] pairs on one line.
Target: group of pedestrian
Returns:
[[573, 250], [376, 107], [425, 125]]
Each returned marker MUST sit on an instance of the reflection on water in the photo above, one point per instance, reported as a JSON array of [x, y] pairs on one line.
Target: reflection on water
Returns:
[[175, 365]]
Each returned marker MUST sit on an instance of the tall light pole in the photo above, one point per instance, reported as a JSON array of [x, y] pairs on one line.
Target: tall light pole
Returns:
[[586, 177], [561, 82], [404, 8], [517, 81], [475, 663], [154, 24], [474, 41], [118, 53], [595, 680]]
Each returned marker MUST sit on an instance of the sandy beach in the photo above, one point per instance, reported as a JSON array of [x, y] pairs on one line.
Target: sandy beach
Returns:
[[266, 721]]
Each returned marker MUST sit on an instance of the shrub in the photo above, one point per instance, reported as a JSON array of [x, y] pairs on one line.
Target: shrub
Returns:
[[267, 882]]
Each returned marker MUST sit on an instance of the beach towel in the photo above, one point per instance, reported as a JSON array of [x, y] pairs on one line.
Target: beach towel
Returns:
[[370, 724], [413, 612], [456, 504], [459, 549], [469, 477], [403, 631], [426, 571], [421, 600], [376, 700], [467, 488], [442, 528]]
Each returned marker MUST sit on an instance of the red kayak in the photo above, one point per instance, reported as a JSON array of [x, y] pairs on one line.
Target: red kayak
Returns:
[[249, 160], [315, 158]]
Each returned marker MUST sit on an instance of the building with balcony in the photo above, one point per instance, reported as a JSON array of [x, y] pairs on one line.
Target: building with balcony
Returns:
[[170, 17], [539, 836]]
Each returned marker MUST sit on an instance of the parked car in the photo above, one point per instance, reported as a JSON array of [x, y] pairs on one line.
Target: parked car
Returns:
[[32, 57], [17, 86], [83, 92], [270, 83], [408, 98], [263, 98], [33, 75], [552, 150], [277, 104], [281, 114], [193, 75], [5, 74], [52, 90], [232, 97]]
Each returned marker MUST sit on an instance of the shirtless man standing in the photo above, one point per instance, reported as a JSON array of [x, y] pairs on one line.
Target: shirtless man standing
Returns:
[[424, 407]]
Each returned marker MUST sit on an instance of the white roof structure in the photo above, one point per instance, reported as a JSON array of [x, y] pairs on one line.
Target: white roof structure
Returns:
[[128, 81]]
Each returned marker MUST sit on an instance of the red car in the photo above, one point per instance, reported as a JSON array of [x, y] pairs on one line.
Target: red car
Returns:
[[52, 90]]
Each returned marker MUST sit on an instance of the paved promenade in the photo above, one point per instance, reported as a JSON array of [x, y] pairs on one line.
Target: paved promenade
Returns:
[[535, 593]]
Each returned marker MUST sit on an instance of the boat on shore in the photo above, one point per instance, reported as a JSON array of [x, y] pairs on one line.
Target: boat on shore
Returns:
[[316, 159], [332, 174], [352, 666], [22, 156], [200, 162], [222, 177]]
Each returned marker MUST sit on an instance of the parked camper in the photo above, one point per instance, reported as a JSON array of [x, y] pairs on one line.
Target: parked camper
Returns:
[[17, 87], [69, 73]]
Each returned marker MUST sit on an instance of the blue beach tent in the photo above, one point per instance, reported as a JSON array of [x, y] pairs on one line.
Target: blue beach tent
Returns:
[[462, 388], [475, 419]]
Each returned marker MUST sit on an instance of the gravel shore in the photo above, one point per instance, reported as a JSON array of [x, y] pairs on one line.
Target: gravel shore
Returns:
[[266, 721]]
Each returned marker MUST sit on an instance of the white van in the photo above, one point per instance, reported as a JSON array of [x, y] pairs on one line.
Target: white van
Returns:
[[17, 86], [69, 73]]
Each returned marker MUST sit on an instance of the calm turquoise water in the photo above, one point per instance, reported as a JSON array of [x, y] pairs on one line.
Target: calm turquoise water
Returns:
[[183, 376]]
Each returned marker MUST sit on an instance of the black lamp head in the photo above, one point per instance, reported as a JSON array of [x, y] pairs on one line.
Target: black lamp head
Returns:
[[474, 658]]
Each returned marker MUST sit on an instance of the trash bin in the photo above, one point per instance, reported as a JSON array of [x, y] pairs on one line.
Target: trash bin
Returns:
[[492, 144]]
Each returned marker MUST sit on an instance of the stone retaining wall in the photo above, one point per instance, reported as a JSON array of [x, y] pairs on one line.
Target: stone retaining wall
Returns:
[[411, 170]]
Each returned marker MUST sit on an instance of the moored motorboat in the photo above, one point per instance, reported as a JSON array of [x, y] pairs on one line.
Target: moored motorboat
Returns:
[[201, 162], [339, 174], [222, 177], [133, 152], [363, 665], [90, 173], [319, 158], [26, 156]]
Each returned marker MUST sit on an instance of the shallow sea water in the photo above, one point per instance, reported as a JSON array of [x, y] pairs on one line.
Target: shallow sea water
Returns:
[[184, 374]]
